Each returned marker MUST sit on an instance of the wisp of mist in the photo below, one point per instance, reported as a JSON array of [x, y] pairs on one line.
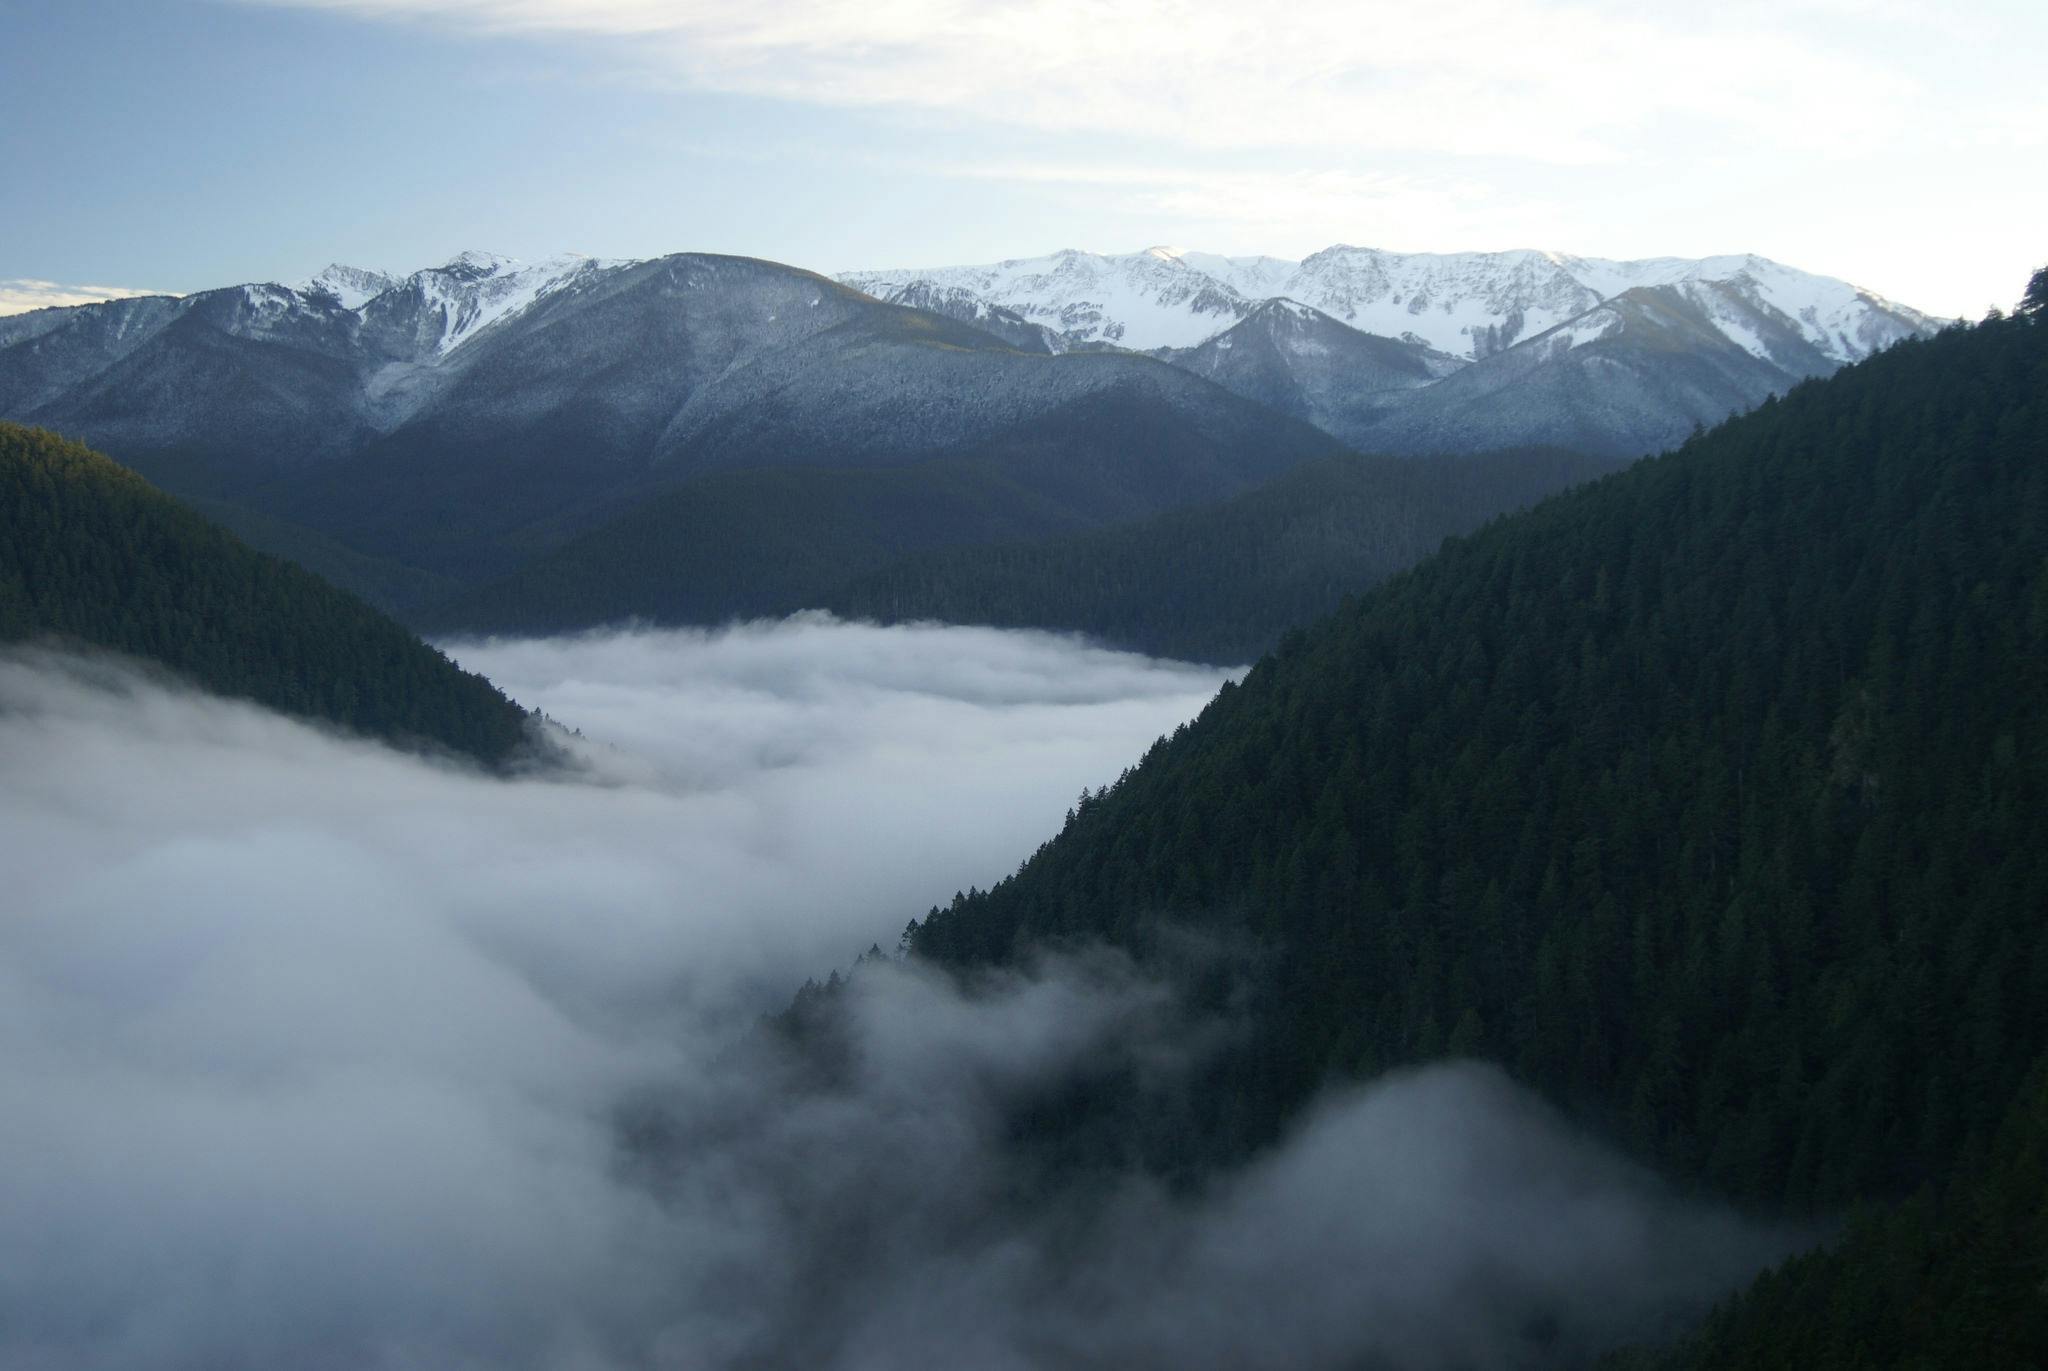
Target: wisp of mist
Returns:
[[316, 1054]]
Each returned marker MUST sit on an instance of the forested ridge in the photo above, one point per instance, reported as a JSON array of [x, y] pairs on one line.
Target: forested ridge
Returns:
[[1956, 1275], [968, 542], [1711, 800], [1221, 582], [91, 553], [748, 544]]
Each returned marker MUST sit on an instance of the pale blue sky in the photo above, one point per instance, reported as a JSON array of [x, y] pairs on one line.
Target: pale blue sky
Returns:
[[179, 144]]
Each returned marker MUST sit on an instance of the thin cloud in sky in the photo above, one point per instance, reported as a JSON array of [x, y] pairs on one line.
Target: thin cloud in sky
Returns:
[[1872, 140], [1552, 83], [1866, 139], [20, 295]]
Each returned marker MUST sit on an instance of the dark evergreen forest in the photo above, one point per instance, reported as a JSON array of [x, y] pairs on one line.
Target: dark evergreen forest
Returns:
[[91, 553], [1222, 582], [1710, 799], [967, 542]]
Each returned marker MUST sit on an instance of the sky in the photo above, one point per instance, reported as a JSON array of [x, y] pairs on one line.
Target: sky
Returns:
[[180, 144], [419, 1068]]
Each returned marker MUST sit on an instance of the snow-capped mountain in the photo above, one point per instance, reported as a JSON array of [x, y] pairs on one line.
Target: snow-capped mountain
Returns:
[[1139, 301], [440, 308], [351, 287], [465, 414], [458, 416], [444, 307], [418, 317], [1631, 375], [1466, 304], [1505, 348], [1302, 362]]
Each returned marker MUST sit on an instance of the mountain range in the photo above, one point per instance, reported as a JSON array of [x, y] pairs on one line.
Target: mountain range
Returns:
[[468, 415], [1613, 357], [418, 436], [1468, 305]]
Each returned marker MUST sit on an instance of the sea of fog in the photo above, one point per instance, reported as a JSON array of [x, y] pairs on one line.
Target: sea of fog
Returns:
[[315, 1055]]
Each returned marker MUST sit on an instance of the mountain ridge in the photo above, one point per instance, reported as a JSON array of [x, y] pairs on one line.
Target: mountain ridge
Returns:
[[472, 414], [1705, 798], [1466, 304]]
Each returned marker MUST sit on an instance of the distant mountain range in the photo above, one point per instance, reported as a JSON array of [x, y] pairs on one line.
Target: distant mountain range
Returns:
[[416, 437], [1467, 304], [1618, 358], [463, 417]]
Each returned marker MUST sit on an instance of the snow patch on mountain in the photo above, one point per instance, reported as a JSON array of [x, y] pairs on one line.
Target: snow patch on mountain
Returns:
[[475, 290], [351, 287], [1590, 327], [1140, 301], [1466, 304], [458, 299]]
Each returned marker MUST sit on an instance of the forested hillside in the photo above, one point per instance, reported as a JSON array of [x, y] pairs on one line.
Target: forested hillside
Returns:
[[1711, 799], [744, 544], [967, 542], [92, 553], [1952, 1277], [1220, 583]]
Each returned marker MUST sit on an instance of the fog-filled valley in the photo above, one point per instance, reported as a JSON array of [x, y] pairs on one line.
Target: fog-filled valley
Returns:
[[322, 1055], [956, 686], [1613, 940]]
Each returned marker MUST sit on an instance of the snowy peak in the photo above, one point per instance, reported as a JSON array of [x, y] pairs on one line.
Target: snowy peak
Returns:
[[955, 302], [1465, 304], [479, 264], [1140, 300], [350, 287], [441, 307], [475, 290]]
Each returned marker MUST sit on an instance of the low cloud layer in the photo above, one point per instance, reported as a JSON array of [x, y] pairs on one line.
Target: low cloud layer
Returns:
[[323, 1056]]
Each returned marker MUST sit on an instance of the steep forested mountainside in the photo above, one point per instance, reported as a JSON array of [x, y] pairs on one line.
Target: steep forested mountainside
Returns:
[[1221, 582], [91, 553], [742, 544], [968, 542], [480, 412], [401, 590], [1711, 799], [1950, 1278]]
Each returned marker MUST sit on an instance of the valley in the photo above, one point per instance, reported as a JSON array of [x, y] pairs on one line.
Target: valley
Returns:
[[1368, 799]]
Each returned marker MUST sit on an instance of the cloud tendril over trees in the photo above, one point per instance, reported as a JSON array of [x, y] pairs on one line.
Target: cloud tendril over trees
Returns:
[[319, 1055]]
